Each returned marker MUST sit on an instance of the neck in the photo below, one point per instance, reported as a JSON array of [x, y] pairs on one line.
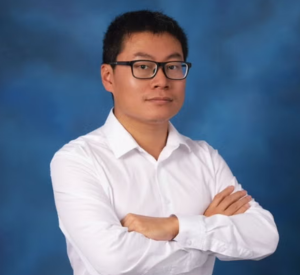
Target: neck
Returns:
[[152, 137]]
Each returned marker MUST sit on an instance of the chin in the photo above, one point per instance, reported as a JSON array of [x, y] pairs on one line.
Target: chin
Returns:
[[160, 117], [158, 120]]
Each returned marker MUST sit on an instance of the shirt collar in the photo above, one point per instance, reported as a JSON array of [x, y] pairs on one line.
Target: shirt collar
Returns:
[[121, 142], [175, 139]]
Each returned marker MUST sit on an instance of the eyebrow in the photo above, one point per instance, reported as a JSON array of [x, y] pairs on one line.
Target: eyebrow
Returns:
[[145, 55]]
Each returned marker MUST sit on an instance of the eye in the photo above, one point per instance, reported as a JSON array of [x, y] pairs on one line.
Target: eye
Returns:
[[143, 67], [173, 67]]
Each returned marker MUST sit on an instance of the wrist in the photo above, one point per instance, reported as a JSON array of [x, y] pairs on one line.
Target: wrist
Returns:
[[174, 226]]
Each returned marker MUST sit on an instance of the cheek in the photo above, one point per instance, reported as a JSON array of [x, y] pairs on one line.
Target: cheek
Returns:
[[129, 88], [135, 87], [180, 91], [134, 84]]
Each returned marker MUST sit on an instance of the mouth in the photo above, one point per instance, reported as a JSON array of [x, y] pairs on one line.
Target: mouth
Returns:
[[160, 99]]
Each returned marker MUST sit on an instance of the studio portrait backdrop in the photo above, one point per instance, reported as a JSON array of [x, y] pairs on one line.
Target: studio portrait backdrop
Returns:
[[242, 97]]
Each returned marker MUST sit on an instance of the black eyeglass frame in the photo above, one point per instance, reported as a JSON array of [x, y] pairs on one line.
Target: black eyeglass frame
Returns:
[[158, 64]]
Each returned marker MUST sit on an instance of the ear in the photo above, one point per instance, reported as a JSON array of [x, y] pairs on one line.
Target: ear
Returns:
[[107, 77]]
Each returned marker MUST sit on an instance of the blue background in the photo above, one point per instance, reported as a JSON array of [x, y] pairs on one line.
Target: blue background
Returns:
[[243, 97]]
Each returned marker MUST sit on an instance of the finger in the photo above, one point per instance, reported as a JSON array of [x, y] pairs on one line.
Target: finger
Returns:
[[243, 209], [234, 207], [220, 196], [124, 222], [232, 199], [130, 224], [127, 220]]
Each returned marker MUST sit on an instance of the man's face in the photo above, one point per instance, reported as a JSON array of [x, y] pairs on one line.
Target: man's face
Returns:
[[153, 100]]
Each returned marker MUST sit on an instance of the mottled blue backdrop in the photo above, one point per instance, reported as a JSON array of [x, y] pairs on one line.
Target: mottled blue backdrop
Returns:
[[243, 97]]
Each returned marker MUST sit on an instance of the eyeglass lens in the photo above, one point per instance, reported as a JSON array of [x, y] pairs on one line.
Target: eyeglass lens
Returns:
[[146, 69]]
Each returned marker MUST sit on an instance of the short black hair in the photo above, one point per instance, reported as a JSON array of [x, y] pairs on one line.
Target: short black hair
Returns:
[[139, 21]]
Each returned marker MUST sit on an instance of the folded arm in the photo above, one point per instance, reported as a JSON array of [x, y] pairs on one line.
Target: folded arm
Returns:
[[249, 235], [89, 222]]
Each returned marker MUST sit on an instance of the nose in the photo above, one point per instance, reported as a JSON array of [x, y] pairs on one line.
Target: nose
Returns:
[[160, 80]]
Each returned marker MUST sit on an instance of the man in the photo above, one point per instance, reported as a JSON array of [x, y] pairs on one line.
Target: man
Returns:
[[137, 197]]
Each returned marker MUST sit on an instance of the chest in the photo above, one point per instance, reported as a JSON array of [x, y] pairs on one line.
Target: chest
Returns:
[[180, 186]]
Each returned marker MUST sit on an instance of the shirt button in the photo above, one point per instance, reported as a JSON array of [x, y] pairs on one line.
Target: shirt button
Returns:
[[189, 242]]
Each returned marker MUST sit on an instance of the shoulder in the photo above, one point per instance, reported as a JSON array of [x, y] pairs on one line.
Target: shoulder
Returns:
[[199, 146], [201, 151], [83, 146]]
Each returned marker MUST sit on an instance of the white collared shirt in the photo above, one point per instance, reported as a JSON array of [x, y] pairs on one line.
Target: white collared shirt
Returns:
[[101, 177]]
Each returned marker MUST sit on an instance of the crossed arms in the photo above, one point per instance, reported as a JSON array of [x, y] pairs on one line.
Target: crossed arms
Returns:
[[229, 229], [166, 229]]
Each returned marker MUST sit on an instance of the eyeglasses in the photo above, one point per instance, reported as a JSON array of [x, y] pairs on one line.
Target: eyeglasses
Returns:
[[146, 69]]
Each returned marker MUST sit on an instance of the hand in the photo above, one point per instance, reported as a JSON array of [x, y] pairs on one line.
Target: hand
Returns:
[[229, 204], [159, 229]]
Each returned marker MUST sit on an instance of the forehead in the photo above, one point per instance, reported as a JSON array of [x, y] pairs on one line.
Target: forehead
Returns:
[[158, 46]]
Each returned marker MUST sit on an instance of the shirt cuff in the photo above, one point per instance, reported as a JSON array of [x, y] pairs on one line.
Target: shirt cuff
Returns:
[[192, 231]]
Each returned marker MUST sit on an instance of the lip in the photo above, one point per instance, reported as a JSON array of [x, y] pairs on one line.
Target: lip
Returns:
[[160, 99]]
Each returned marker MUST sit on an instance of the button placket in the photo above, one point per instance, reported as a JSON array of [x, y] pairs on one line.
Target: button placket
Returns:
[[159, 187], [164, 193]]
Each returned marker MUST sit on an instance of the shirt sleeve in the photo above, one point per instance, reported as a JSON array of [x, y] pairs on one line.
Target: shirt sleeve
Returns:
[[251, 235], [90, 224]]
